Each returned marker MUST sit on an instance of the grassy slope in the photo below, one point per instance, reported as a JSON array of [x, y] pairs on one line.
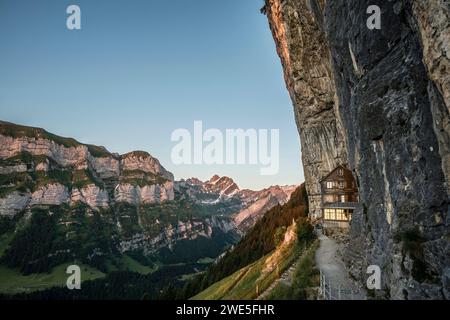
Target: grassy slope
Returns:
[[304, 279], [135, 266], [259, 241], [5, 239], [243, 283], [12, 281]]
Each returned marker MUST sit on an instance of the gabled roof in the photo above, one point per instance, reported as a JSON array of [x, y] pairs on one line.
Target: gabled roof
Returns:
[[332, 171]]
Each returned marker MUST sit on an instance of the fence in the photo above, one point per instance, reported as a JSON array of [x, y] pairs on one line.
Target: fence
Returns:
[[338, 204], [328, 291]]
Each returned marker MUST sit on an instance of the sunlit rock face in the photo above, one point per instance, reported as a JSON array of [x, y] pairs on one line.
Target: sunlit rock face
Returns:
[[50, 194], [299, 33], [144, 195], [64, 156], [255, 208], [142, 161], [91, 195], [434, 29], [377, 100], [247, 206], [93, 176], [122, 204], [105, 167]]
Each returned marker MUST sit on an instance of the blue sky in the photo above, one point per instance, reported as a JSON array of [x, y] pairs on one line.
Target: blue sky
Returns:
[[139, 69]]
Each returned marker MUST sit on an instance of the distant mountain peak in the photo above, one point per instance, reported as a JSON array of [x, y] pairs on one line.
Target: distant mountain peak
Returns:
[[214, 178], [223, 185], [137, 153]]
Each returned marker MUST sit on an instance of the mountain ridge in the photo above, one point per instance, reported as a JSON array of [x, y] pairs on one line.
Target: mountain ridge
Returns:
[[137, 204]]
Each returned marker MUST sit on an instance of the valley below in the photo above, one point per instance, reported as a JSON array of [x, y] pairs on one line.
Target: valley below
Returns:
[[371, 103], [121, 216]]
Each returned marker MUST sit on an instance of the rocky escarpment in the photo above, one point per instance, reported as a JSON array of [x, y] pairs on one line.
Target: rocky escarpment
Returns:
[[204, 210], [378, 101], [248, 206], [309, 78], [257, 206], [44, 169], [182, 231], [432, 18], [96, 201], [100, 206]]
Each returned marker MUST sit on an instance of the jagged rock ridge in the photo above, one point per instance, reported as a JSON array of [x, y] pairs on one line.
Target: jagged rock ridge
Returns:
[[249, 205]]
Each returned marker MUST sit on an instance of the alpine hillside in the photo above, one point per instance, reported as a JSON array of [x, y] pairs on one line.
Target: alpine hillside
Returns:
[[62, 202]]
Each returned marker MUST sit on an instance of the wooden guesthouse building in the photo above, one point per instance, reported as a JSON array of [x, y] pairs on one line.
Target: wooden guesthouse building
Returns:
[[339, 198]]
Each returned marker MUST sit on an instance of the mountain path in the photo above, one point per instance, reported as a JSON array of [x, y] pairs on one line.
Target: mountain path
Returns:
[[329, 262], [286, 278]]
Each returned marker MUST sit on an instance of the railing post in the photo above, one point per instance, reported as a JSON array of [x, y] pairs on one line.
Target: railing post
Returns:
[[320, 282], [331, 292], [322, 285], [324, 292]]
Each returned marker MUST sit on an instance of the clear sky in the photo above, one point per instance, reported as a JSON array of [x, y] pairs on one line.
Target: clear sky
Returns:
[[139, 69]]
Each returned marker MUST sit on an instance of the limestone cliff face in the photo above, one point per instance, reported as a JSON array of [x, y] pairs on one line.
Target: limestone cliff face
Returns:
[[377, 100], [247, 206], [142, 161], [91, 195], [97, 177], [144, 195], [50, 194], [265, 200], [123, 203], [298, 29], [12, 203], [434, 29], [169, 236]]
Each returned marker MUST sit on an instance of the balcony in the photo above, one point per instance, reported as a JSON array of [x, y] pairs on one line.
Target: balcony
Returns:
[[340, 205], [338, 190]]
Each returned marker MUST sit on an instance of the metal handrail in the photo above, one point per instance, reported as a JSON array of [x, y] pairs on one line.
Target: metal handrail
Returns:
[[338, 204], [328, 292]]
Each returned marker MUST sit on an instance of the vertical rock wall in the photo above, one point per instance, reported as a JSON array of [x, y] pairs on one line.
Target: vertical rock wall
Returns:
[[379, 100], [433, 26], [298, 29]]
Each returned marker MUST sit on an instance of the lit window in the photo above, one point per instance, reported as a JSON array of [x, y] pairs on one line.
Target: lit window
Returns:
[[349, 215], [338, 214], [343, 198], [329, 184], [330, 214], [341, 184], [341, 172]]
